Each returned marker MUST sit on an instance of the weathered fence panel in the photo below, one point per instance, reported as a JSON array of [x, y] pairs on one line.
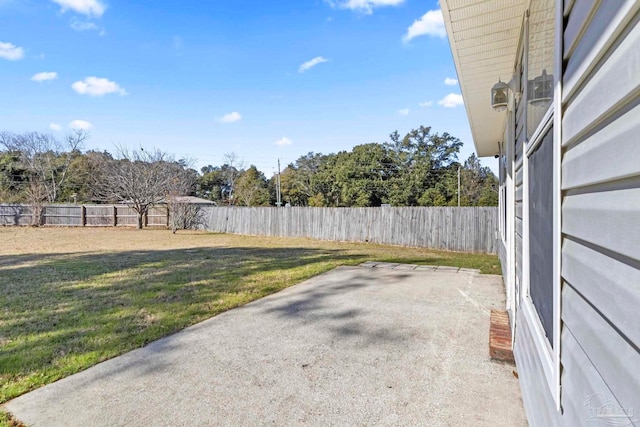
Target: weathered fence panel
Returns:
[[16, 215], [62, 215], [81, 215], [469, 229], [158, 216], [100, 215]]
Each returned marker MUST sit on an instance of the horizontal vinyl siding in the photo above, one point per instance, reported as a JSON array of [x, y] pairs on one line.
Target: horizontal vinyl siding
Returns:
[[537, 398], [609, 219], [615, 149], [580, 376], [614, 358], [598, 277], [600, 210], [520, 121], [502, 254], [613, 85], [590, 38]]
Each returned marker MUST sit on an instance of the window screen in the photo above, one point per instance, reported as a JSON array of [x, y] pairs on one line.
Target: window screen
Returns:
[[541, 231]]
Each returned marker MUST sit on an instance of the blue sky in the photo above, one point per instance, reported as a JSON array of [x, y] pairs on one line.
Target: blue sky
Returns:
[[263, 79]]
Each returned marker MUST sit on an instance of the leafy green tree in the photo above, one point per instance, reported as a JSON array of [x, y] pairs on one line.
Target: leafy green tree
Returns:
[[304, 179], [12, 177], [478, 184], [211, 184], [251, 188], [362, 175], [291, 185], [421, 159]]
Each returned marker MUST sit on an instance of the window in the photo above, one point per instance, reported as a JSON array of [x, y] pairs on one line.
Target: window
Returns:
[[541, 177], [541, 232], [540, 62], [503, 192]]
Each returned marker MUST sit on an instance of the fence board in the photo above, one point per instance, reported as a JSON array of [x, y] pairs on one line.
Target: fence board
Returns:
[[468, 229]]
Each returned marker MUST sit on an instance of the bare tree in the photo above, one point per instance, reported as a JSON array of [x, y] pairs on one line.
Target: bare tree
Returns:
[[184, 215], [45, 161], [140, 179]]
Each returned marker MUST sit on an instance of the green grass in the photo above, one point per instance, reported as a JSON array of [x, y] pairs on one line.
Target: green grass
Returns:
[[71, 298], [7, 420]]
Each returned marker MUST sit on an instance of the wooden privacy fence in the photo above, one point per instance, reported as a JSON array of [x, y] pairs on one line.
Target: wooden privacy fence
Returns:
[[80, 215], [469, 229]]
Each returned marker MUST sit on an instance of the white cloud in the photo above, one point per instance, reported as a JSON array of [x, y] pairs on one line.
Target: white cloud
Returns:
[[426, 104], [11, 52], [85, 7], [450, 82], [364, 6], [451, 101], [230, 117], [80, 125], [430, 24], [312, 63], [283, 142], [404, 112], [95, 86], [80, 25], [55, 127], [44, 76]]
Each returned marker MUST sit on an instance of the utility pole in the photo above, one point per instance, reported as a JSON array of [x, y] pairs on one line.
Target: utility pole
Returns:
[[278, 189], [458, 185]]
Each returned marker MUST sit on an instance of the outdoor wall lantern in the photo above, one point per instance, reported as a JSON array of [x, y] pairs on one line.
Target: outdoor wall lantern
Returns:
[[500, 96], [541, 89]]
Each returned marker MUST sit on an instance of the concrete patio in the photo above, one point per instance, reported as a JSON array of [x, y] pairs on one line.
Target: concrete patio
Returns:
[[379, 344]]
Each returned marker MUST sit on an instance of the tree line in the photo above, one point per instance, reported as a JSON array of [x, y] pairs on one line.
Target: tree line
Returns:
[[418, 169]]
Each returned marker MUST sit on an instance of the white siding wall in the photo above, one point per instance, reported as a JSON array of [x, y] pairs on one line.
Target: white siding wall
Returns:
[[538, 401], [600, 329], [601, 209], [518, 172]]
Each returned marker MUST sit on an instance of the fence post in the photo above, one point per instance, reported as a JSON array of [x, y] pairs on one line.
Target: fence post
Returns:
[[83, 215], [115, 215], [168, 222]]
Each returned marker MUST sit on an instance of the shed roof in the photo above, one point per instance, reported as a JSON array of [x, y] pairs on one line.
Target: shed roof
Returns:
[[484, 36], [193, 200]]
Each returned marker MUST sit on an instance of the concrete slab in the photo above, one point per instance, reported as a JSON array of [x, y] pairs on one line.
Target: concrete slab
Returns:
[[469, 270], [405, 267], [426, 267], [386, 264], [448, 268], [369, 264], [355, 346]]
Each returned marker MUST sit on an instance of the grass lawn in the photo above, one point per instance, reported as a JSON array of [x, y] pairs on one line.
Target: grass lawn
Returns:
[[71, 298]]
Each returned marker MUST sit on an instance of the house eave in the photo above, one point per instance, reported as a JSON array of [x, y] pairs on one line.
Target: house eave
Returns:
[[483, 36]]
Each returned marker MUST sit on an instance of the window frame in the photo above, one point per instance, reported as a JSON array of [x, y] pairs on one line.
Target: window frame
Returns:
[[548, 355]]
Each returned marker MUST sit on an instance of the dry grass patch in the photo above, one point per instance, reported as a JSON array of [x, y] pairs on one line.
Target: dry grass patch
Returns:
[[71, 298]]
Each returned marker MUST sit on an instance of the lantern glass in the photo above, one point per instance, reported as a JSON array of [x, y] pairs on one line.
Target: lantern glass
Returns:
[[499, 96], [541, 88]]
